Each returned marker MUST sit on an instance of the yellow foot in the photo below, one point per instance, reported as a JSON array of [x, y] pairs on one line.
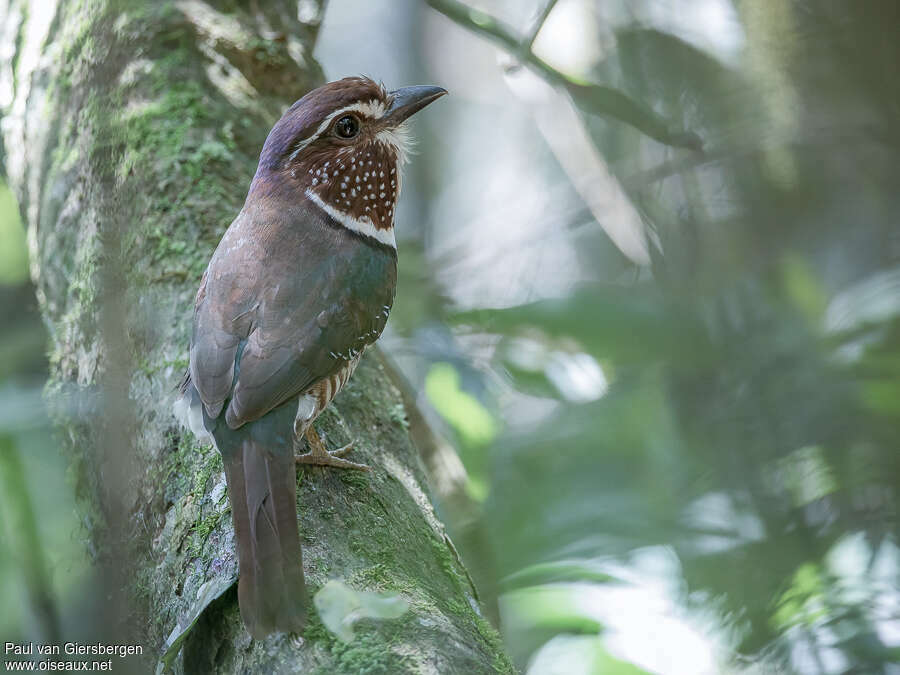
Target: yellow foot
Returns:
[[319, 455]]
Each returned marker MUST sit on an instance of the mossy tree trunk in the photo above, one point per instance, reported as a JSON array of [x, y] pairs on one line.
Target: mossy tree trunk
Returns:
[[130, 134]]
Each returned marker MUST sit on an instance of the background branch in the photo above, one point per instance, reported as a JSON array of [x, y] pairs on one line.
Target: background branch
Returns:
[[592, 98]]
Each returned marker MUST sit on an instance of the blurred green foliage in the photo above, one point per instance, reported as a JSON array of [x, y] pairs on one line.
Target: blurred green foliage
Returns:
[[719, 428], [751, 420], [45, 576], [474, 426], [13, 253]]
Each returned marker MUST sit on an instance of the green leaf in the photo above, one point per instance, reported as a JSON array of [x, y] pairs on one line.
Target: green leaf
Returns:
[[560, 570], [465, 413], [13, 249], [578, 655], [340, 607]]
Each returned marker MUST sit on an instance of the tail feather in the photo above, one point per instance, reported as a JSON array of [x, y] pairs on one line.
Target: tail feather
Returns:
[[271, 588]]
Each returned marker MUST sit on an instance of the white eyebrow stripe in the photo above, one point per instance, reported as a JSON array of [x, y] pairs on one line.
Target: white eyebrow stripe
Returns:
[[363, 227], [373, 109]]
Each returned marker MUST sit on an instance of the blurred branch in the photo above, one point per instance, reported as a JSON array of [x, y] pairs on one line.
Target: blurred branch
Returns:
[[447, 477], [539, 24], [592, 98]]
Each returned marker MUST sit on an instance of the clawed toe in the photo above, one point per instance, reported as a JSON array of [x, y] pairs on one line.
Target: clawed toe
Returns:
[[340, 452], [331, 459], [320, 456]]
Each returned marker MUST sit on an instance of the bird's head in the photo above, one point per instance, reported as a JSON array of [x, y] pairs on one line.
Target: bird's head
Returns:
[[342, 146]]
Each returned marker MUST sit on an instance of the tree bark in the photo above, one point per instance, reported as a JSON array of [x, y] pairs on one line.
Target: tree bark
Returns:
[[130, 132]]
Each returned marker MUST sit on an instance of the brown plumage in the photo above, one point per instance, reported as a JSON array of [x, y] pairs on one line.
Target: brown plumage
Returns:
[[301, 283]]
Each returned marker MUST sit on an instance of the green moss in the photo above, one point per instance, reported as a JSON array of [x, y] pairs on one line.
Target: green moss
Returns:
[[376, 577], [494, 644], [368, 654], [448, 564], [157, 130], [151, 367], [211, 464], [152, 133], [316, 631], [268, 52], [356, 479], [201, 531], [397, 414]]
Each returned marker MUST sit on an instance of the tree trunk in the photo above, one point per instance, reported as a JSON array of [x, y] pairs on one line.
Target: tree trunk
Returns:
[[130, 134]]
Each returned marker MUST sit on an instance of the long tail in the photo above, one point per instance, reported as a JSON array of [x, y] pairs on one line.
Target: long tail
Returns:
[[262, 490]]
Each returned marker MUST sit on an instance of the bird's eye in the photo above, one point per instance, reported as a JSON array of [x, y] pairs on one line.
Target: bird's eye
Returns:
[[347, 127]]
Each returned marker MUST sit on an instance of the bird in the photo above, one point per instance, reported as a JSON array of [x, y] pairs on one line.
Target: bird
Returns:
[[301, 283]]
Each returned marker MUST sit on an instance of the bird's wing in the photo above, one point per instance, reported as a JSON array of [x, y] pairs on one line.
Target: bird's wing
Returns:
[[212, 354], [223, 313], [317, 302]]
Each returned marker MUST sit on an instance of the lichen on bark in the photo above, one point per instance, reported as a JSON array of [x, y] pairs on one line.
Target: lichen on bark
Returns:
[[130, 133]]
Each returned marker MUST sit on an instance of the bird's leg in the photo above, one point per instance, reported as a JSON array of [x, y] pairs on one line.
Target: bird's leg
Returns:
[[318, 454]]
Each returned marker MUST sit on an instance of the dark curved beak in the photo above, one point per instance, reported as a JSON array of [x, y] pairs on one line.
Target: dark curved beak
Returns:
[[410, 100]]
